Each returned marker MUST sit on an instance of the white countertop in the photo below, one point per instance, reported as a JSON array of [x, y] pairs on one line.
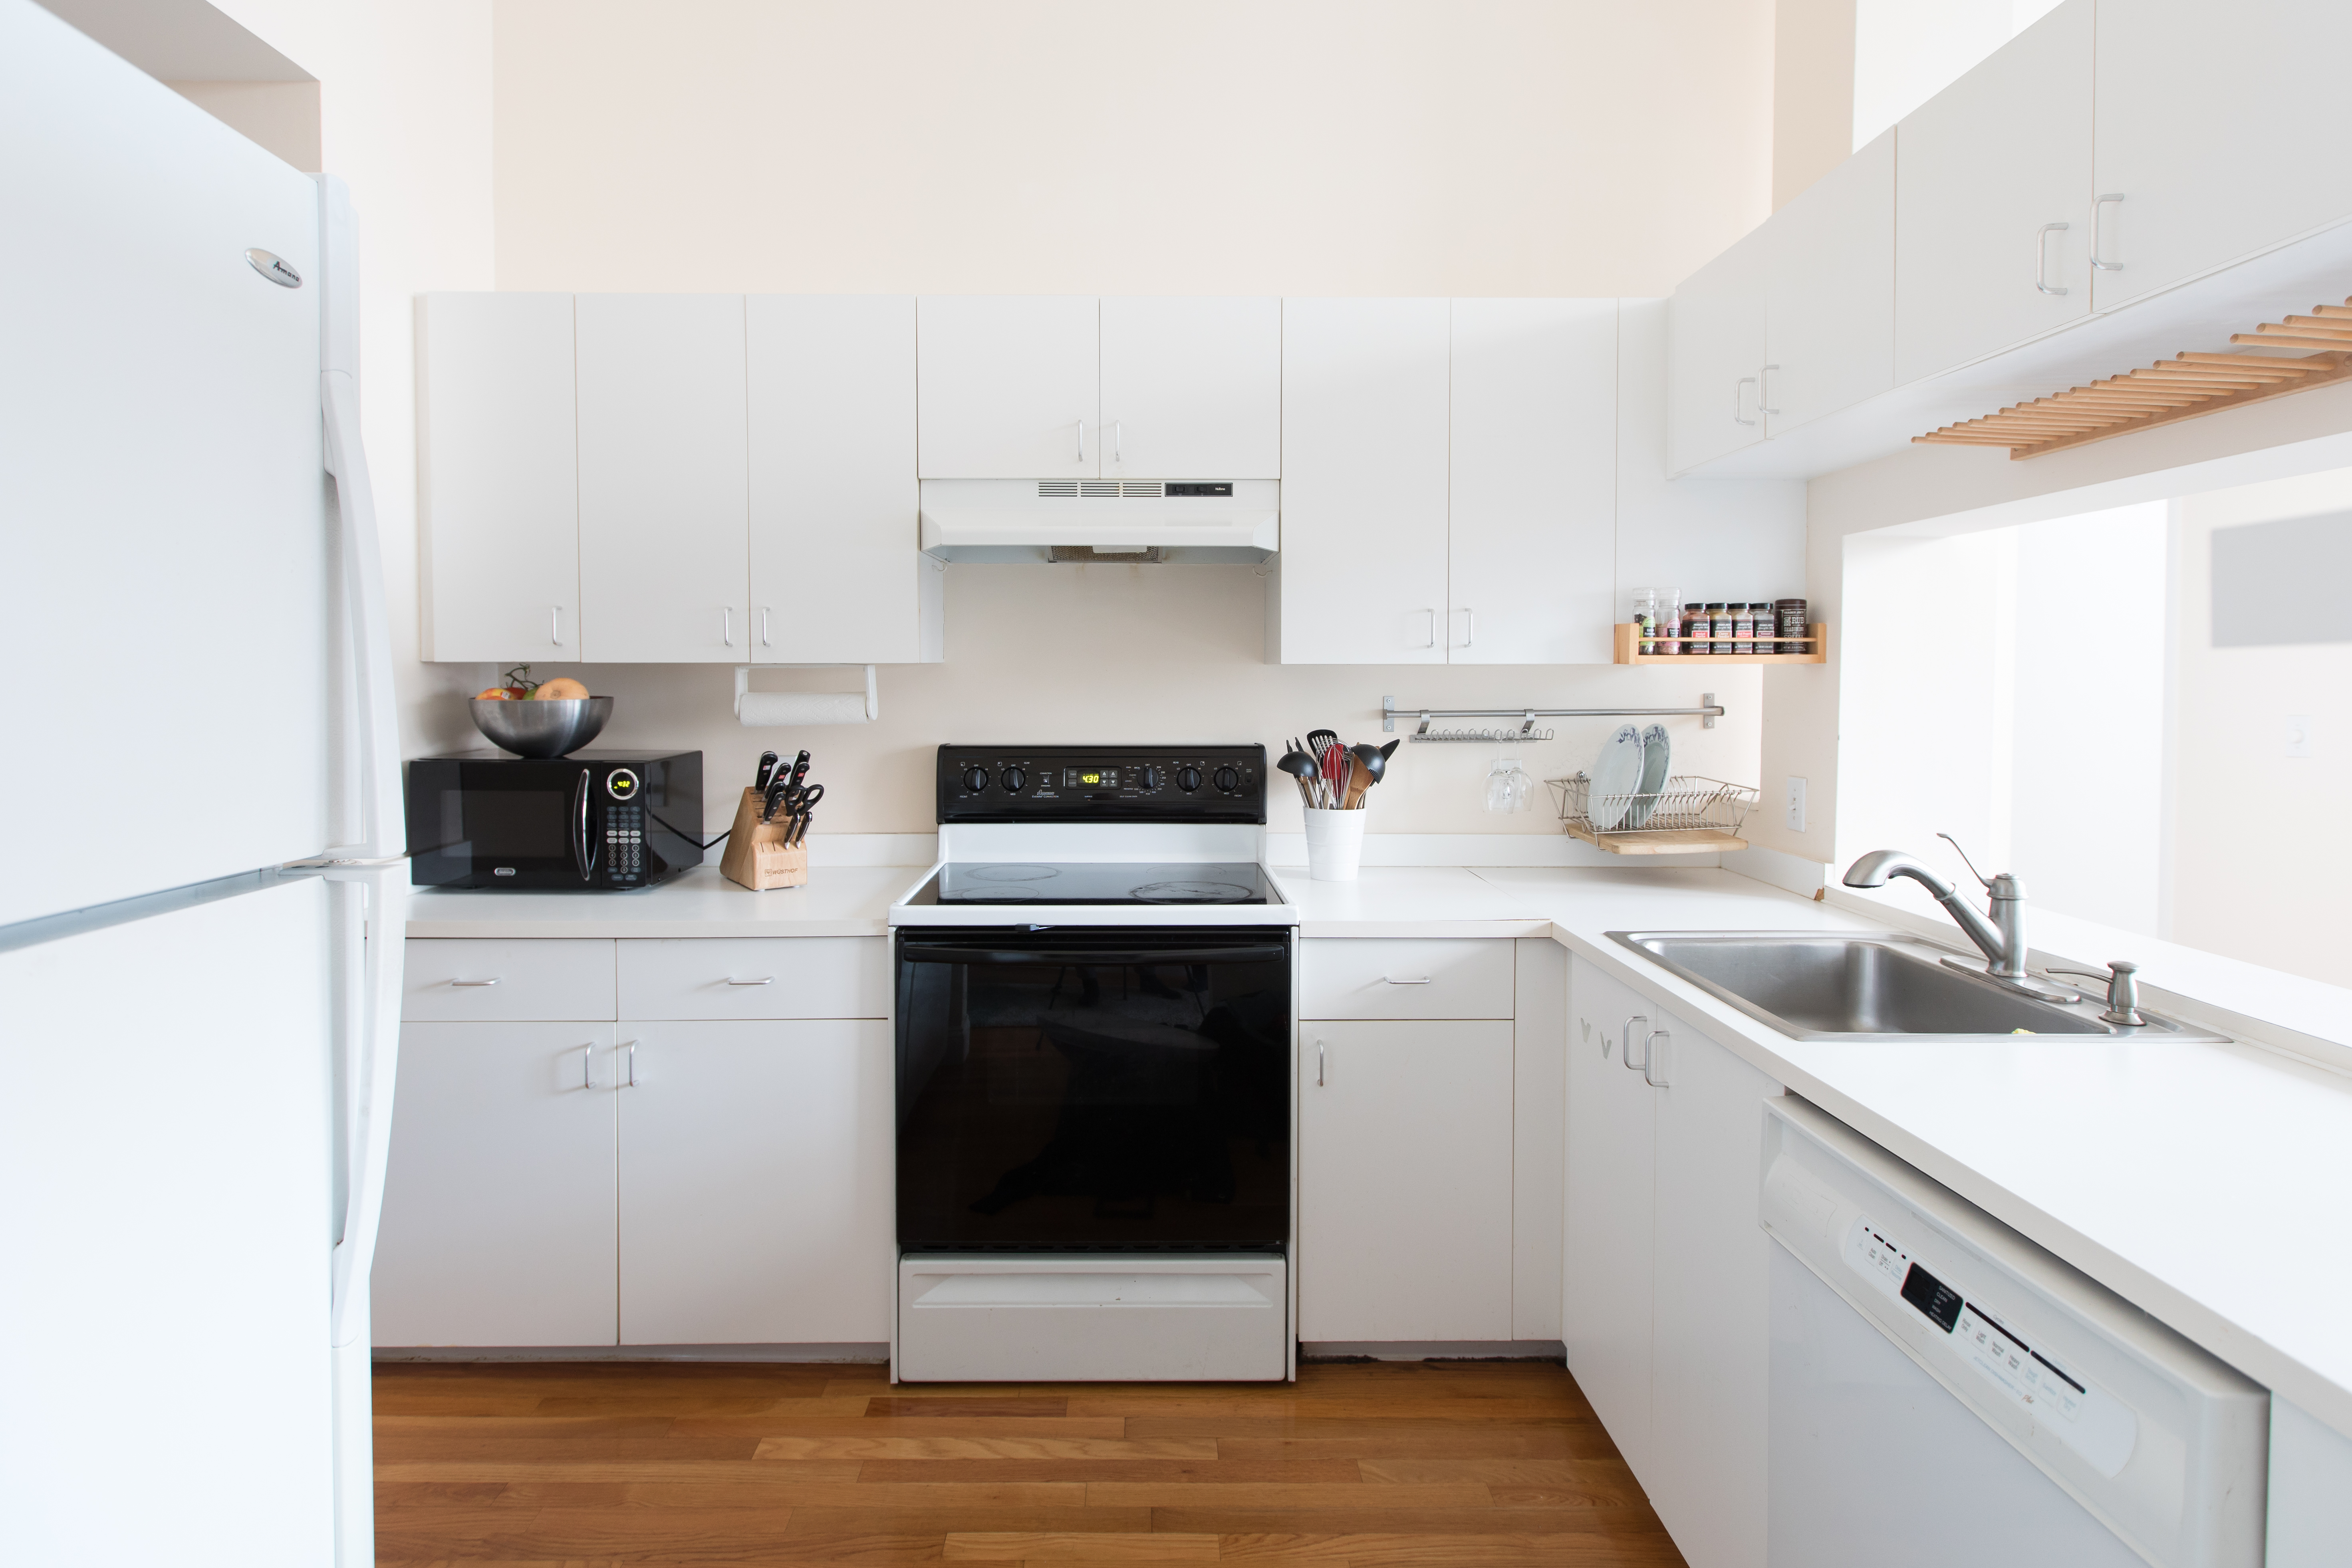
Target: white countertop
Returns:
[[2204, 1183], [839, 900]]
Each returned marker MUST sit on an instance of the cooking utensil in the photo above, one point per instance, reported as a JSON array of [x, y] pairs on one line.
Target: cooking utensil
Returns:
[[1321, 741], [1301, 766], [767, 771], [1375, 759], [530, 728]]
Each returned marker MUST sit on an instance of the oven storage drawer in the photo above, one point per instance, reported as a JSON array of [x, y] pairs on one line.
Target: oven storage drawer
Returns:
[[1105, 1315], [1387, 978], [448, 980], [756, 978]]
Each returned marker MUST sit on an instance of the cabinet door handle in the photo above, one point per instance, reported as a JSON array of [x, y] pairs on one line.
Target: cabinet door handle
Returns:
[[763, 980], [1385, 980], [554, 630], [1764, 390], [1118, 441], [1625, 1039], [1082, 440], [2096, 204], [727, 625], [491, 981], [1429, 638], [1318, 1063], [633, 1064], [587, 1067], [1738, 402], [2041, 258], [1654, 1065], [763, 628]]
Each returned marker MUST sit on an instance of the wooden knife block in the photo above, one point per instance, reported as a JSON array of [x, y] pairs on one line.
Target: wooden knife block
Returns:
[[757, 855]]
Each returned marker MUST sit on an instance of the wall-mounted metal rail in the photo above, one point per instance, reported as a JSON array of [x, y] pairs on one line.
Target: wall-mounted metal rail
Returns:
[[1709, 711]]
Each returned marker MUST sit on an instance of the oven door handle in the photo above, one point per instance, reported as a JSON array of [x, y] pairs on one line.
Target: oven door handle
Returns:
[[1264, 953], [580, 856]]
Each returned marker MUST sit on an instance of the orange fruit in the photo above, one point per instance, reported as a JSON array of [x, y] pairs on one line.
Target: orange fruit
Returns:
[[562, 689]]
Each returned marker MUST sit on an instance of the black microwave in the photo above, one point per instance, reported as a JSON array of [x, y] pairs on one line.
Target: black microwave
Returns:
[[593, 821]]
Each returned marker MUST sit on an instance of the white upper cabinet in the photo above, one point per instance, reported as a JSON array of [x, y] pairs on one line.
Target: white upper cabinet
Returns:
[[837, 574], [1715, 357], [1364, 481], [1829, 293], [1531, 538], [1009, 386], [1192, 388], [497, 471], [1993, 197], [2211, 146], [663, 503]]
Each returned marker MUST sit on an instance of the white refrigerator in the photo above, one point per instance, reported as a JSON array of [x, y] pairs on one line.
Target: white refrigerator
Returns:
[[201, 910]]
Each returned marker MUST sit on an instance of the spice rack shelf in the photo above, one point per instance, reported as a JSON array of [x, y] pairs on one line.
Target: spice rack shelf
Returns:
[[1629, 639]]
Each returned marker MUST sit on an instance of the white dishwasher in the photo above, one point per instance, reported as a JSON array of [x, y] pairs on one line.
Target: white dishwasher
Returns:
[[1946, 1394]]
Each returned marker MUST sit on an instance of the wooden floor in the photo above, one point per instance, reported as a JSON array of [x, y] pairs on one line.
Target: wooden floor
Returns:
[[1392, 1463]]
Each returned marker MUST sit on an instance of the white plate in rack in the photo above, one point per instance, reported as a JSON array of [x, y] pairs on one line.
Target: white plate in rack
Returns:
[[1616, 775], [1656, 752]]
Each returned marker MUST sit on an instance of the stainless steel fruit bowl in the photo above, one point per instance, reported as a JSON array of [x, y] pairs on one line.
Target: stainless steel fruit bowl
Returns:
[[530, 728]]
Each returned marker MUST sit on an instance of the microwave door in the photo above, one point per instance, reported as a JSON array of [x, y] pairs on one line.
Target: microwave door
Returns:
[[583, 840]]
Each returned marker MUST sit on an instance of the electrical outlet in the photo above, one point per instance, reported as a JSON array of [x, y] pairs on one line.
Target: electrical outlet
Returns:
[[1796, 805], [2298, 735]]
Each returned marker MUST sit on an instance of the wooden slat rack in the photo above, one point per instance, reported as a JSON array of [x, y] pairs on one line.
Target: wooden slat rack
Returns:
[[2186, 386], [1817, 642]]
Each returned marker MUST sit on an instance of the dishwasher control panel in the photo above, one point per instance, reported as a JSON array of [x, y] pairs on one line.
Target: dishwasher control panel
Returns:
[[2092, 1422]]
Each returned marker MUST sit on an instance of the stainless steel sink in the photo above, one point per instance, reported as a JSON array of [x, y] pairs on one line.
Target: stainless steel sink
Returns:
[[1873, 986]]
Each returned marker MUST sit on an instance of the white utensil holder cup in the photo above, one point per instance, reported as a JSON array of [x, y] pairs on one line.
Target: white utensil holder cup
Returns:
[[1335, 843]]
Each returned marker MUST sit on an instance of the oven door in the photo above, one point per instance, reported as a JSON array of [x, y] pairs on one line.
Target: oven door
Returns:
[[1094, 1088], [504, 823]]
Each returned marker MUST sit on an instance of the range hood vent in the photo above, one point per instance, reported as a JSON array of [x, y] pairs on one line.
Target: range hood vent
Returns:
[[1104, 522]]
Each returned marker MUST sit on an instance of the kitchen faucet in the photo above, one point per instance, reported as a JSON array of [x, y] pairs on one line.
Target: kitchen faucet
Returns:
[[2001, 938]]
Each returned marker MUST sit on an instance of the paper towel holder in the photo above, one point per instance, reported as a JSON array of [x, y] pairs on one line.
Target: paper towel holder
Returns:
[[743, 685]]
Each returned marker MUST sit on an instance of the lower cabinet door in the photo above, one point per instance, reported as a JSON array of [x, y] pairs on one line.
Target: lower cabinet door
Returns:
[[1404, 1181], [1611, 1241], [1708, 1382], [755, 1183], [497, 1207]]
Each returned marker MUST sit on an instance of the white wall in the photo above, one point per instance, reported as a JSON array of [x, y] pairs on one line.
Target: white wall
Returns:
[[1907, 51], [1315, 147]]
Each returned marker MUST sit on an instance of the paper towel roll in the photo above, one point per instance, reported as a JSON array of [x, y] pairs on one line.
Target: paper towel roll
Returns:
[[790, 710]]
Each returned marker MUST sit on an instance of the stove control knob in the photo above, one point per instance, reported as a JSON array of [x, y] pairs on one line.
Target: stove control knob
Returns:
[[1228, 780], [1188, 779], [1014, 779], [1149, 777], [975, 780]]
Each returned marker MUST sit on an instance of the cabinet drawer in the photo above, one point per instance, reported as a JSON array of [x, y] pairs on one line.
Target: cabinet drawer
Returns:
[[450, 981], [756, 978], [1384, 978]]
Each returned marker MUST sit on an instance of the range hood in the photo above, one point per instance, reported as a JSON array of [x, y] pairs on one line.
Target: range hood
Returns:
[[1106, 520]]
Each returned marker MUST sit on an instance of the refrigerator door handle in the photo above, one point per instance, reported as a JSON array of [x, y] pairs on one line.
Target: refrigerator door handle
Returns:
[[371, 965]]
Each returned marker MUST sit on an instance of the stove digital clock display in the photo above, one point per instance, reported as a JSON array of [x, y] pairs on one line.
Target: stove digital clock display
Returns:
[[1090, 778]]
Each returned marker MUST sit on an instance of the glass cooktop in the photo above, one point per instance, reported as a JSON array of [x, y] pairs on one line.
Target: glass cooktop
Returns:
[[1096, 882]]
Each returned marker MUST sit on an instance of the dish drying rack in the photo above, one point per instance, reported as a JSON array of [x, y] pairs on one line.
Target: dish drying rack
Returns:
[[1692, 815], [1707, 713]]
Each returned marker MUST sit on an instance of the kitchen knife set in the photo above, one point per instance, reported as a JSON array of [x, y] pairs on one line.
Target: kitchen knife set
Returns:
[[767, 848], [781, 788], [1333, 777]]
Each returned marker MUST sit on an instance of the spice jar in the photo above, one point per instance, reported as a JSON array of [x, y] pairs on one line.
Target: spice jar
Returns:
[[1696, 628], [1791, 614], [1719, 618]]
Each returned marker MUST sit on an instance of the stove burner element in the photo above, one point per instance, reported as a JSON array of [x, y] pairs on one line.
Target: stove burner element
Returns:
[[1013, 873], [1190, 893]]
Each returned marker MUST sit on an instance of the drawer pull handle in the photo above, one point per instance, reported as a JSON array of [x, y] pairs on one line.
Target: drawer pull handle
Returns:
[[1387, 980], [492, 981], [587, 1067], [1318, 1063], [763, 980]]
